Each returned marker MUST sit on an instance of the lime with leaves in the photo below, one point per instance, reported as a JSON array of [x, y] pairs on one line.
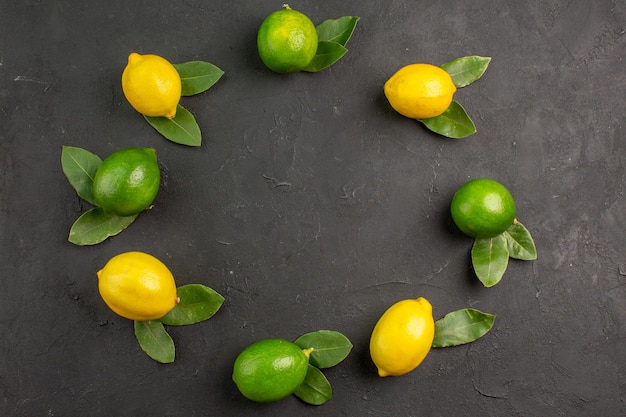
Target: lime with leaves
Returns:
[[127, 181], [287, 41], [270, 370], [483, 208]]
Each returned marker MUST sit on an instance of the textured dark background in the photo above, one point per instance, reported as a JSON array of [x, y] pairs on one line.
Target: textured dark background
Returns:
[[312, 205]]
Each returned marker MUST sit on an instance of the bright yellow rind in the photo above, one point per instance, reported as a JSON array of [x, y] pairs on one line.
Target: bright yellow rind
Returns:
[[420, 91], [137, 286], [402, 337], [151, 85]]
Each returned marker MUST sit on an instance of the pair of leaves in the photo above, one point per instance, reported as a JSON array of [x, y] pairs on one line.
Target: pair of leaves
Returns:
[[461, 327], [454, 122], [196, 77], [332, 37], [95, 225], [327, 348], [197, 303], [490, 257]]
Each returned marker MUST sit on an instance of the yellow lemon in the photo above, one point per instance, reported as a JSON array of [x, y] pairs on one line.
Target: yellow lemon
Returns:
[[402, 337], [151, 85], [420, 91], [137, 286]]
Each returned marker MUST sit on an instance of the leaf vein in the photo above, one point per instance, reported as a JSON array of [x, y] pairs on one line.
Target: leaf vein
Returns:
[[81, 167]]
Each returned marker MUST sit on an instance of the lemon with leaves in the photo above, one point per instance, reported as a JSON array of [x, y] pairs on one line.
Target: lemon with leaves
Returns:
[[127, 181], [137, 286], [483, 208], [287, 40], [151, 85], [420, 91], [402, 337], [270, 370]]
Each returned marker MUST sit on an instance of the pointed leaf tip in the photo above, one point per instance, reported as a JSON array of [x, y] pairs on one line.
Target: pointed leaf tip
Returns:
[[79, 167], [490, 258], [155, 341], [96, 225], [466, 70], [197, 303], [182, 128], [454, 123], [315, 389], [521, 243], [328, 347], [461, 327], [197, 76]]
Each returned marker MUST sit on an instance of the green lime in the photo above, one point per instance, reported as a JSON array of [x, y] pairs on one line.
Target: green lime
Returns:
[[287, 41], [127, 181], [270, 370], [483, 208]]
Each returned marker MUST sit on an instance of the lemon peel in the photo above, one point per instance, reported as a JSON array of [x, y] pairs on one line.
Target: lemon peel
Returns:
[[402, 337], [137, 286], [151, 85], [420, 91]]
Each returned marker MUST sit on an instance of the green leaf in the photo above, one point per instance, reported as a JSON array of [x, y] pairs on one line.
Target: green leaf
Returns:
[[155, 341], [197, 76], [462, 326], [315, 389], [466, 70], [490, 258], [327, 54], [182, 128], [338, 30], [197, 303], [329, 347], [80, 166], [453, 123], [96, 225], [521, 243]]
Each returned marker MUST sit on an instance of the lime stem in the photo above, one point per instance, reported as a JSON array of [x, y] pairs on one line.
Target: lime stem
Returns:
[[286, 6], [307, 352]]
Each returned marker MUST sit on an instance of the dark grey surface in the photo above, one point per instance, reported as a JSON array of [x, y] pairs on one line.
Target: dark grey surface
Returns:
[[311, 205]]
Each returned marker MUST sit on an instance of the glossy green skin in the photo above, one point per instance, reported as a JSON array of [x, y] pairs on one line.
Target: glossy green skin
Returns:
[[287, 41], [270, 370], [127, 181], [483, 208]]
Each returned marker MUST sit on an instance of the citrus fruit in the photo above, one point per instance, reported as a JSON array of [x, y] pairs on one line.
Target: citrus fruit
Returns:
[[420, 91], [287, 41], [127, 181], [483, 208], [402, 337], [137, 286], [151, 85], [270, 369]]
